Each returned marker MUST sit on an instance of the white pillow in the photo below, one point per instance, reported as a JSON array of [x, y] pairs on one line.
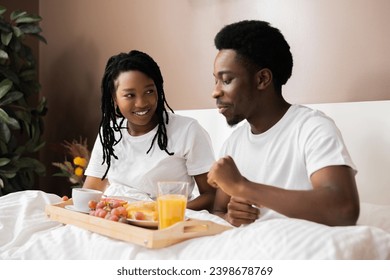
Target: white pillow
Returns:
[[375, 215]]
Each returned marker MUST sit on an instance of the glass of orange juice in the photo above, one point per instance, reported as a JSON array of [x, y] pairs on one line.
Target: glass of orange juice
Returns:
[[171, 202]]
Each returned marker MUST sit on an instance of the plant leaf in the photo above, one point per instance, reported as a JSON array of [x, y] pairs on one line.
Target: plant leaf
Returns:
[[5, 26], [40, 38], [17, 31], [42, 105], [9, 171], [13, 123], [2, 10], [4, 161], [40, 146], [11, 97], [28, 75], [5, 86], [31, 163], [4, 117], [28, 19], [5, 133], [8, 174], [9, 73], [60, 175], [18, 13], [17, 64], [30, 28], [6, 38], [3, 55]]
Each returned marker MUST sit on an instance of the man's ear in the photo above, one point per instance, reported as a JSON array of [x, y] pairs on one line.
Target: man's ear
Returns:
[[264, 78]]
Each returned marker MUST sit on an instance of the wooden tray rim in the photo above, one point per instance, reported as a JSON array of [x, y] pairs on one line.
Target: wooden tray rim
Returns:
[[146, 237]]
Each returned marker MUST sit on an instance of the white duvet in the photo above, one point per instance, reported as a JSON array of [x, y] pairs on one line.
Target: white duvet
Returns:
[[27, 233]]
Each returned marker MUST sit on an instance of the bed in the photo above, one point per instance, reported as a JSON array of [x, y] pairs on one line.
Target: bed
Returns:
[[26, 232]]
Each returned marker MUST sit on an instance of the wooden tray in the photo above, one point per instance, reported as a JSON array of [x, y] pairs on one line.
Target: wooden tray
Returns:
[[150, 238]]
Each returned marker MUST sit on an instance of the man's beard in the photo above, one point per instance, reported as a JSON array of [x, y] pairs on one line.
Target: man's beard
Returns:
[[235, 120]]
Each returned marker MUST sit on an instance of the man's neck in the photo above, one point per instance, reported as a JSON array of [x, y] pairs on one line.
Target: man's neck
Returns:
[[268, 116]]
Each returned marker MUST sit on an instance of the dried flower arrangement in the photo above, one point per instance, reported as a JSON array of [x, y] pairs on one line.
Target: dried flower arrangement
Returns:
[[74, 170]]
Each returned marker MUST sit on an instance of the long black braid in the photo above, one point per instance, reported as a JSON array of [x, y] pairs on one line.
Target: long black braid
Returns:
[[112, 119]]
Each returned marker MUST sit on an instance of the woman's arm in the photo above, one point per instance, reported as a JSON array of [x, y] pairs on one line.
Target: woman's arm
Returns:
[[95, 183], [207, 194]]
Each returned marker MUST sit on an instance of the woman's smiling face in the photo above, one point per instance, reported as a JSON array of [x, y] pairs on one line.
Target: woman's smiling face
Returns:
[[136, 97]]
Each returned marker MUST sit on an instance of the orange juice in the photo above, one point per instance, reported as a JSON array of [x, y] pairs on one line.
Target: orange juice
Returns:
[[171, 209]]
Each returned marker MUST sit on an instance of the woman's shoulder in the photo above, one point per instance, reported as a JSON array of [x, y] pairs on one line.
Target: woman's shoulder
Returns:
[[176, 119], [184, 125]]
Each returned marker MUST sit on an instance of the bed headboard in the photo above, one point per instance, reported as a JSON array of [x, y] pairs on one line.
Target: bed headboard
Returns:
[[365, 127]]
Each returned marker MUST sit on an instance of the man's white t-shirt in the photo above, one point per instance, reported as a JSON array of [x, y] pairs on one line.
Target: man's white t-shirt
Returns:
[[136, 172], [285, 156]]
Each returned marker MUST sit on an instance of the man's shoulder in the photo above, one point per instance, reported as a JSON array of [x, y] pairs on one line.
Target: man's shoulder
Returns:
[[239, 130], [308, 115], [310, 121]]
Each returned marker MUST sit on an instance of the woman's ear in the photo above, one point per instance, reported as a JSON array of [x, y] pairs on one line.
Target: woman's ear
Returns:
[[264, 78], [117, 111]]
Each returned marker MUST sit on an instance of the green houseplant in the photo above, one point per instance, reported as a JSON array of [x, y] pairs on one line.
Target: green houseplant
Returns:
[[21, 108]]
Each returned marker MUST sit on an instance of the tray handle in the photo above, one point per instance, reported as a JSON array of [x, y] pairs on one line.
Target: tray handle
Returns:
[[196, 228]]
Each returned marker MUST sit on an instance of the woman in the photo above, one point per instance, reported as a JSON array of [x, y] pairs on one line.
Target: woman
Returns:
[[140, 142]]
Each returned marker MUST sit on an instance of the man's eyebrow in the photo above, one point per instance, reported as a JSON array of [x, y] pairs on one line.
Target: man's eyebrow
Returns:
[[219, 73]]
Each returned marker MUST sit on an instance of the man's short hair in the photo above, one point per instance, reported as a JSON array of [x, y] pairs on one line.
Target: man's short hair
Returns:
[[260, 44]]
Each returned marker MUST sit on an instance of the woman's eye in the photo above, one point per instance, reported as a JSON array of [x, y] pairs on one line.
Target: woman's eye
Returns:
[[150, 92]]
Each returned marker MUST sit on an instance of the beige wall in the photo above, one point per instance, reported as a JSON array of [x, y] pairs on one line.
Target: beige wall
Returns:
[[340, 49]]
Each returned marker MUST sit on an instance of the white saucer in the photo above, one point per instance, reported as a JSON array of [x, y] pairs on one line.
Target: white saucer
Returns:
[[71, 207]]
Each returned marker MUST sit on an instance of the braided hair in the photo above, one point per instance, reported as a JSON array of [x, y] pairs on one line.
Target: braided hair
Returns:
[[112, 119]]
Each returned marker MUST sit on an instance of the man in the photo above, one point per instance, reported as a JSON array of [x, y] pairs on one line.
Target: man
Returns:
[[287, 158]]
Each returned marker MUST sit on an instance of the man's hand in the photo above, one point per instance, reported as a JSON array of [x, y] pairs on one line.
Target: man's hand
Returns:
[[240, 212], [224, 174]]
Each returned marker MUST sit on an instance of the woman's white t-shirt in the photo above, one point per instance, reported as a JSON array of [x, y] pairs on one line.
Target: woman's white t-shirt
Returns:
[[137, 172]]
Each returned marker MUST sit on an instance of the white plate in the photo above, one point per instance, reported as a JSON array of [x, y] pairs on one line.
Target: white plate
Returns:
[[125, 198], [146, 224], [71, 207], [143, 223]]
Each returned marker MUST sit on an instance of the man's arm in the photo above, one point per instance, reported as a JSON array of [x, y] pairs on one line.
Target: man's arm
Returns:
[[333, 201]]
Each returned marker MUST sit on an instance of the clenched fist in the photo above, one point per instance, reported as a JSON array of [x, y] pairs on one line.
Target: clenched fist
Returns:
[[224, 174]]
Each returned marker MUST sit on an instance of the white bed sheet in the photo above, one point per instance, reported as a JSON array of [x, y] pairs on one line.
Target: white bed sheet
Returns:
[[27, 233]]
